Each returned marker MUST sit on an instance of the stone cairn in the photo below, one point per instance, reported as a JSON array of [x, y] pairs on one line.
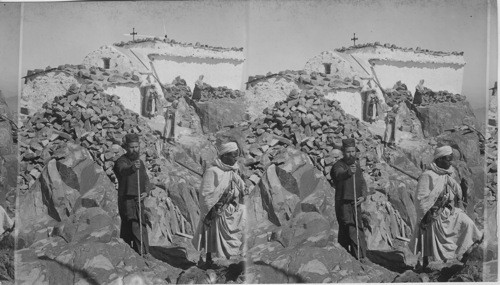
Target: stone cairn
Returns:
[[177, 89], [315, 125], [210, 93], [88, 117], [430, 97], [393, 96]]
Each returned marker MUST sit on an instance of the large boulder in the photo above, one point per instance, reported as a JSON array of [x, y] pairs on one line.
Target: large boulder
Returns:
[[278, 202], [165, 219], [436, 118], [383, 224], [57, 195], [216, 114]]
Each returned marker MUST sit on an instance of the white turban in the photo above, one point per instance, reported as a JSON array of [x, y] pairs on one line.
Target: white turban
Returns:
[[228, 147], [442, 151]]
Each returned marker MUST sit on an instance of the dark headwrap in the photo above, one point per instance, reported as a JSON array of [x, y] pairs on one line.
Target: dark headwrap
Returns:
[[130, 138], [348, 143]]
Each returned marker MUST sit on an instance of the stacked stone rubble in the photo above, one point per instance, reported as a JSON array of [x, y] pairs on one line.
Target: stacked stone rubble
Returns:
[[431, 97], [393, 97], [177, 89], [315, 125], [221, 92], [88, 117], [93, 74], [313, 79]]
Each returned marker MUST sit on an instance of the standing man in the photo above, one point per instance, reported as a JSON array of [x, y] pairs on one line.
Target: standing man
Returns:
[[443, 230], [390, 127], [350, 191], [128, 168], [419, 91], [198, 86], [222, 217], [169, 129]]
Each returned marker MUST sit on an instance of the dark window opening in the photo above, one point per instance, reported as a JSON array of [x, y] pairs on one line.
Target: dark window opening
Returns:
[[106, 62], [328, 68]]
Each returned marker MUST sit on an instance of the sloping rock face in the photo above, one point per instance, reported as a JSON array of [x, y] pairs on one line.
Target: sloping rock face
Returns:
[[408, 121], [219, 113], [436, 118]]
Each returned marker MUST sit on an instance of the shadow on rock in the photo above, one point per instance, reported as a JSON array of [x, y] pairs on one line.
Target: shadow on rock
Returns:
[[175, 256], [232, 272], [446, 273], [392, 260], [83, 273], [292, 277]]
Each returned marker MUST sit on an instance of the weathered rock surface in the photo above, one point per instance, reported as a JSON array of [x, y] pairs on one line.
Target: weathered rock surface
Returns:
[[215, 114], [436, 118]]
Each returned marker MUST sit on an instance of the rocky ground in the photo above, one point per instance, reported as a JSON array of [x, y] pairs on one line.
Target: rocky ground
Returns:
[[8, 181], [69, 229]]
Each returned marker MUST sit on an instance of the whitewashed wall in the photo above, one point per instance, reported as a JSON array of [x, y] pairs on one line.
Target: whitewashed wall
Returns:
[[350, 101], [118, 61], [216, 72], [129, 94], [435, 77]]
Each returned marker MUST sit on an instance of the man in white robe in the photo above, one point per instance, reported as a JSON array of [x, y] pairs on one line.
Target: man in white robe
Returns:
[[222, 217], [444, 231]]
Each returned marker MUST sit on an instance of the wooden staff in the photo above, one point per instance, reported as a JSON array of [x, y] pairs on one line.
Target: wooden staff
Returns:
[[356, 213], [140, 212]]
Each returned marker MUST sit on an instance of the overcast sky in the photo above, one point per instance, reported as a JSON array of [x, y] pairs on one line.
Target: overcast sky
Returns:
[[276, 35]]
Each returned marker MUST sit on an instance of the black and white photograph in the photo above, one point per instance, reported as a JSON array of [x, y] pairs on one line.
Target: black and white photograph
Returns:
[[216, 142]]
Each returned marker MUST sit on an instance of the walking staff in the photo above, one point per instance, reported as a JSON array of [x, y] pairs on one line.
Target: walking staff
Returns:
[[140, 209], [133, 182], [356, 217], [348, 194]]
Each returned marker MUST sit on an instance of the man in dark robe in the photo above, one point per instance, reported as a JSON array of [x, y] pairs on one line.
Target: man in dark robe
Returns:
[[198, 87], [128, 168], [350, 186]]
